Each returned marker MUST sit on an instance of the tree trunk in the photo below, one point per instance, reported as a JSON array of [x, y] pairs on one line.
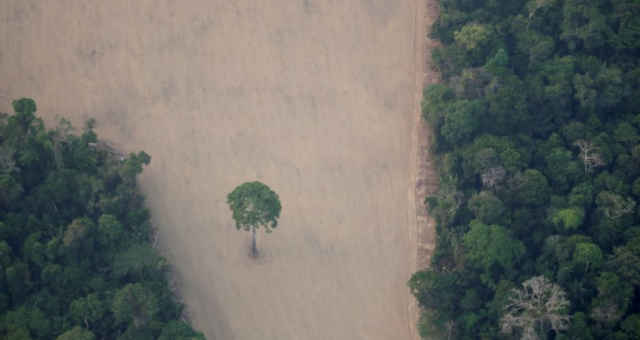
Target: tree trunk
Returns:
[[254, 249]]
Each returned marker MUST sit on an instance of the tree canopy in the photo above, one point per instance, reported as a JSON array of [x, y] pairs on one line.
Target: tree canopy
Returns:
[[254, 205], [76, 258], [536, 134]]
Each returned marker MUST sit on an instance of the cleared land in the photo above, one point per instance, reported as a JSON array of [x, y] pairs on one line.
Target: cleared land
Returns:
[[316, 98]]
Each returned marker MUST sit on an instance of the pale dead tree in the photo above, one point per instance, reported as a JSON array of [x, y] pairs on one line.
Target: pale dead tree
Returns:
[[492, 177], [486, 161], [540, 305], [589, 155], [450, 326]]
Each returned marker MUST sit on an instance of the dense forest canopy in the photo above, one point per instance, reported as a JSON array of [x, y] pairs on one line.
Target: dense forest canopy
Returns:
[[76, 257], [537, 135]]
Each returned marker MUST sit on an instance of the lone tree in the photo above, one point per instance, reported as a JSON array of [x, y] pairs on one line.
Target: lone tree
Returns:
[[254, 205]]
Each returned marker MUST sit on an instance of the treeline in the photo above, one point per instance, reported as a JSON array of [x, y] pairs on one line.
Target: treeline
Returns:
[[76, 257], [536, 132]]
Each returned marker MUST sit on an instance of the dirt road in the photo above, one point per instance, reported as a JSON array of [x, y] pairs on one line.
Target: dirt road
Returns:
[[316, 98]]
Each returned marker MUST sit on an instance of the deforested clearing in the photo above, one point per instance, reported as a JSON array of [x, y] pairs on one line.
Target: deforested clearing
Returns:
[[315, 98]]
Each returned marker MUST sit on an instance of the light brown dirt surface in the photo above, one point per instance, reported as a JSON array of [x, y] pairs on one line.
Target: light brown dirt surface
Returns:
[[316, 98], [423, 174], [426, 176]]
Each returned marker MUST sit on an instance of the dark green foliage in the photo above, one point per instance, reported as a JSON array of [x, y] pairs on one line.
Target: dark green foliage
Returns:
[[438, 291], [76, 333], [178, 330], [76, 260], [254, 205], [529, 188], [488, 208], [134, 304], [537, 136], [492, 249]]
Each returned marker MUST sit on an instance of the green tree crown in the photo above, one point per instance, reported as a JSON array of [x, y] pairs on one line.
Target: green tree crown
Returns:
[[254, 205]]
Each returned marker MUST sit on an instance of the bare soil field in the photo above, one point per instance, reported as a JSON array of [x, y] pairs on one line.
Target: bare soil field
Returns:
[[315, 98]]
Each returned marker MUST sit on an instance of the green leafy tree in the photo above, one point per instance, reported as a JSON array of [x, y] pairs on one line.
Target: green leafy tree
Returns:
[[635, 187], [626, 134], [631, 326], [18, 280], [110, 229], [178, 330], [77, 333], [507, 106], [444, 204], [582, 195], [34, 250], [19, 334], [487, 207], [434, 102], [626, 261], [28, 318], [10, 189], [5, 253], [25, 109], [472, 35], [488, 246], [135, 260], [598, 89], [133, 165], [438, 293], [579, 328], [530, 187], [135, 304], [614, 297], [588, 255], [502, 293], [551, 89], [88, 310], [498, 62], [460, 121], [568, 219], [561, 169], [254, 205], [584, 25]]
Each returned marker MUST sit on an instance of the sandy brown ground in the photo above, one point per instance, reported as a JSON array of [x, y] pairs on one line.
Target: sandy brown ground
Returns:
[[426, 175], [423, 174], [316, 98]]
